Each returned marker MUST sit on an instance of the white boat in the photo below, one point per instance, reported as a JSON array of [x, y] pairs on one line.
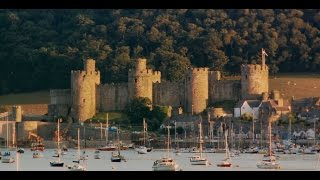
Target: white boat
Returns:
[[198, 159], [166, 163], [226, 162], [97, 155], [269, 161], [59, 162], [77, 167], [142, 150], [7, 158], [37, 154]]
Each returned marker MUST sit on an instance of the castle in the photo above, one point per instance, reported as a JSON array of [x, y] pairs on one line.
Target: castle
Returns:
[[198, 89]]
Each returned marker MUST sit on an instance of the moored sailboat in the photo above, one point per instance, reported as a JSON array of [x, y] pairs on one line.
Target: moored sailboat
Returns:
[[116, 157], [269, 161], [59, 162], [198, 159], [226, 162], [77, 166], [166, 163]]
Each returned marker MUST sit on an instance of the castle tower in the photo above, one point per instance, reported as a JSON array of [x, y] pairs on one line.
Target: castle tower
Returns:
[[254, 79], [140, 80], [17, 113], [83, 91], [196, 90]]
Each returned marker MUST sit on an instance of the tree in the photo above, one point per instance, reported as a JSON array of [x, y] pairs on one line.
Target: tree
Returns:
[[137, 109]]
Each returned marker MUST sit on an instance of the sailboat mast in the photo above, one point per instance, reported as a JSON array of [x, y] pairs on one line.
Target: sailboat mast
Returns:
[[144, 132], [118, 134], [168, 146], [79, 143], [7, 145], [226, 143], [107, 129], [59, 139], [100, 133], [200, 139], [175, 133], [269, 127]]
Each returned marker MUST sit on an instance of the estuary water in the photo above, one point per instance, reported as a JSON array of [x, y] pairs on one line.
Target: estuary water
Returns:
[[144, 162]]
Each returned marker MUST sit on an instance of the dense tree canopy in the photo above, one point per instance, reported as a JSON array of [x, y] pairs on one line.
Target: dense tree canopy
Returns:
[[39, 48]]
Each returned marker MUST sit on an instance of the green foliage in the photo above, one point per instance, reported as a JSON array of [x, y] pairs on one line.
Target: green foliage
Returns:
[[137, 109], [160, 112], [113, 117], [180, 130], [39, 48], [246, 117]]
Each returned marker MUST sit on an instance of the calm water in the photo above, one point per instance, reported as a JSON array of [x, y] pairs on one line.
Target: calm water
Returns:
[[144, 162]]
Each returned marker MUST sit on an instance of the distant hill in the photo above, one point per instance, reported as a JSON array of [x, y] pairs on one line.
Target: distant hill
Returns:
[[297, 85]]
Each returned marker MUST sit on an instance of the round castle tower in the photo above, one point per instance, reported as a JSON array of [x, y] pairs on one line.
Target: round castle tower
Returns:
[[197, 90], [254, 79], [140, 80], [83, 91], [17, 113]]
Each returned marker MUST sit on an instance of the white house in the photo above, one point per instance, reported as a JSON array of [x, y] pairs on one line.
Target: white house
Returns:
[[250, 107]]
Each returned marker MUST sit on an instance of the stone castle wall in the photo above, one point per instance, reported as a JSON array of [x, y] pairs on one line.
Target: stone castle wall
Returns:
[[254, 80], [224, 90], [83, 91], [31, 109], [169, 94], [60, 96], [112, 97]]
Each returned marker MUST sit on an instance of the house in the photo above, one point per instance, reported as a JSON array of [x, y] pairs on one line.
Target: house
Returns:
[[300, 105], [250, 107]]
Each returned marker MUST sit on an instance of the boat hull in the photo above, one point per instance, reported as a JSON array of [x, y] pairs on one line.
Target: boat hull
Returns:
[[268, 166], [166, 168], [115, 159], [54, 164], [224, 165], [7, 160], [200, 162]]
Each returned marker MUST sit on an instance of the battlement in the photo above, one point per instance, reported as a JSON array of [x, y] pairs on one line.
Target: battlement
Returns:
[[199, 70], [90, 65], [254, 67], [141, 64], [83, 74]]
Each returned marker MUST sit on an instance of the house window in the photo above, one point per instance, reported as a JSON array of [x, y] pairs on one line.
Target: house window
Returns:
[[135, 80]]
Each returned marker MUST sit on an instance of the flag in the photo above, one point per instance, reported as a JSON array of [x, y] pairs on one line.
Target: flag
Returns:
[[264, 52]]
